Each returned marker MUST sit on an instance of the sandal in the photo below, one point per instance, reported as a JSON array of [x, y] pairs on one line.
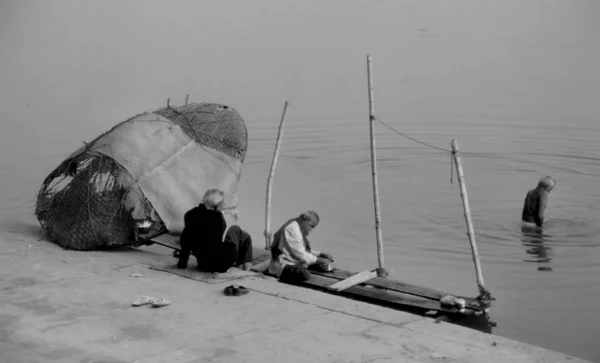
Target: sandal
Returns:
[[240, 290], [228, 291], [160, 303], [144, 300], [235, 290]]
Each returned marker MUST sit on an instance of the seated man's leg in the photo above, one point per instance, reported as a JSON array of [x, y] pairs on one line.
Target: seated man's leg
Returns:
[[220, 260], [244, 248], [243, 242], [296, 273], [228, 255]]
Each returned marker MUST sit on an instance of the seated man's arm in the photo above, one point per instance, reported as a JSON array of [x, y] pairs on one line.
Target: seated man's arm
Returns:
[[313, 251], [184, 254], [326, 256], [322, 257]]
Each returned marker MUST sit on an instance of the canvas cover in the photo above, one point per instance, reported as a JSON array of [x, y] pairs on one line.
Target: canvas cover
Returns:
[[154, 166], [171, 169]]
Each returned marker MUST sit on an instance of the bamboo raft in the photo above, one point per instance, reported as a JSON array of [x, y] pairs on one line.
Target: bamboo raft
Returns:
[[377, 290], [385, 291]]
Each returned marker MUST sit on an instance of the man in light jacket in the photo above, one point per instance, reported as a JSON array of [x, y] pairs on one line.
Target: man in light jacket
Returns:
[[291, 252]]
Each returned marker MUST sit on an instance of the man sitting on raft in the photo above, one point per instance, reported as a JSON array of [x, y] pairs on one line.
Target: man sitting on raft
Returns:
[[535, 201], [291, 252]]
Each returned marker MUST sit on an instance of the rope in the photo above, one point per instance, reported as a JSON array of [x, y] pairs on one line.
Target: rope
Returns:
[[412, 138], [429, 145], [451, 152]]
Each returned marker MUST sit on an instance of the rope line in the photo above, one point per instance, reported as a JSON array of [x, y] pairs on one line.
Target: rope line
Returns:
[[412, 138], [433, 146], [451, 152]]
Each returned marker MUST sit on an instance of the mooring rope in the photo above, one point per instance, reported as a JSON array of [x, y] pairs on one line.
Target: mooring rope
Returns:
[[412, 138], [429, 145], [451, 153]]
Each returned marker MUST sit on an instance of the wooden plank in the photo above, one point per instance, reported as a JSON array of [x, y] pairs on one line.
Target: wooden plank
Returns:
[[261, 266], [386, 283], [379, 296], [353, 280], [402, 287], [166, 238], [162, 238]]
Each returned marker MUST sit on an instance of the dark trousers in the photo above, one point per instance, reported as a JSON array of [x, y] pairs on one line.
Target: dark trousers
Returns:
[[296, 273], [233, 251], [243, 244]]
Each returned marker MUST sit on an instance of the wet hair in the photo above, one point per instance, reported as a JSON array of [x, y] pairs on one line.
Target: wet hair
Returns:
[[213, 199], [546, 182], [310, 216]]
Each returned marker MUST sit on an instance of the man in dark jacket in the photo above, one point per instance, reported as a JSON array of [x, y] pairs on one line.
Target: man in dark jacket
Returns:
[[202, 235]]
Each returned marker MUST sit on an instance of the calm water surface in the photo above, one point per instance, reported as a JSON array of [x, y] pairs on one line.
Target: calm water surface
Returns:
[[547, 284]]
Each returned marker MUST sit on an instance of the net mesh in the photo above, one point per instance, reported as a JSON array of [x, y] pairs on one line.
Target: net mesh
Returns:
[[217, 126], [81, 204]]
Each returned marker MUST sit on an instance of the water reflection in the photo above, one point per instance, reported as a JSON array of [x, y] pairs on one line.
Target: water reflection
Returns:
[[535, 242]]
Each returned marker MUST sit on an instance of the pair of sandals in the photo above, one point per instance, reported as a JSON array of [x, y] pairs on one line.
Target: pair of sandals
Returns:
[[146, 300], [235, 290]]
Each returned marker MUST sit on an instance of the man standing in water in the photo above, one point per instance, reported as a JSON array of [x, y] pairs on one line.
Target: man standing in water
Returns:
[[535, 201]]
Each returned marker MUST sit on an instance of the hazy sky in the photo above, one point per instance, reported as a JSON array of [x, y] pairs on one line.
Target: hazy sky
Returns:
[[471, 59]]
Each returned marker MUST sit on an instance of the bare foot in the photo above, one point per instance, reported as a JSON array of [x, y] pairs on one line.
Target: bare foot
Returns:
[[246, 266]]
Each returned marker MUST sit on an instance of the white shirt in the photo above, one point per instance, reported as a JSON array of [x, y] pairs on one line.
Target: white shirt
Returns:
[[293, 250]]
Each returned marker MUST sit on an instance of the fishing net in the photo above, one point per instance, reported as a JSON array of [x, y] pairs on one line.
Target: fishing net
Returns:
[[151, 168], [216, 126]]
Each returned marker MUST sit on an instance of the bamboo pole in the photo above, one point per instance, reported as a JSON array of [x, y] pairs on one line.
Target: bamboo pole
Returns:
[[483, 293], [187, 98], [267, 233], [381, 271]]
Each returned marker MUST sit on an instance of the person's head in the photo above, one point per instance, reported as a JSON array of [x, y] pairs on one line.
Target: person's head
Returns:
[[547, 183], [309, 220], [213, 199]]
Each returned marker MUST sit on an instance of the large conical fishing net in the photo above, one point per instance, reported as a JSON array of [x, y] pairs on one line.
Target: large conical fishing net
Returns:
[[152, 168]]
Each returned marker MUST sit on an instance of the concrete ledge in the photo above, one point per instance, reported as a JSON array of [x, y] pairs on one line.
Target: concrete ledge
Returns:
[[66, 306]]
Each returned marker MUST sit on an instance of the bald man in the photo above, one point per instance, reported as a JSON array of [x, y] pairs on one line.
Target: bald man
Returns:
[[535, 201]]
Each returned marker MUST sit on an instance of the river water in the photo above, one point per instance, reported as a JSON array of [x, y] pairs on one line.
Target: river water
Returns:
[[516, 83]]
